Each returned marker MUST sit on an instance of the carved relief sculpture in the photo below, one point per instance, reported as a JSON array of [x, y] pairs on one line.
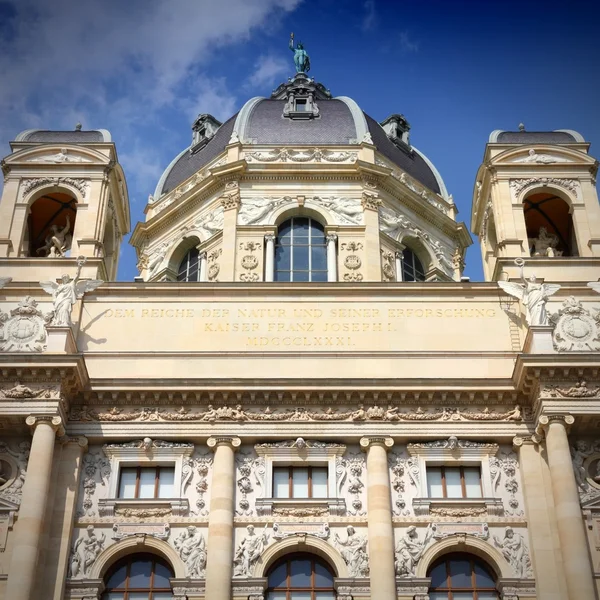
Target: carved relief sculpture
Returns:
[[23, 330], [191, 546], [14, 470], [575, 327], [515, 551], [354, 552], [85, 551], [249, 551], [65, 294], [254, 211], [409, 551], [57, 242], [349, 472], [94, 466]]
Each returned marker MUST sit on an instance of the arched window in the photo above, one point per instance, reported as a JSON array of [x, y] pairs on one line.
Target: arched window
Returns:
[[461, 577], [50, 225], [300, 251], [300, 577], [139, 577], [189, 268], [412, 268], [549, 226]]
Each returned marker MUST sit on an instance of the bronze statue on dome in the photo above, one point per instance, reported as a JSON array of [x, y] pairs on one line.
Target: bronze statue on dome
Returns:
[[301, 58]]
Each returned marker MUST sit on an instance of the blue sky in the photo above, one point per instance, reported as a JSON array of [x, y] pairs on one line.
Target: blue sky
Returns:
[[145, 68]]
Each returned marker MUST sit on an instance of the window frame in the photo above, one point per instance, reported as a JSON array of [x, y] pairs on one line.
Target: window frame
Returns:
[[291, 469], [414, 259], [186, 259], [312, 589], [129, 561], [138, 468], [430, 467], [474, 589]]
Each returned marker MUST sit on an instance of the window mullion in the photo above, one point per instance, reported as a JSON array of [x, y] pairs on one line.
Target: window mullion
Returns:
[[444, 490], [137, 482], [156, 481], [463, 485]]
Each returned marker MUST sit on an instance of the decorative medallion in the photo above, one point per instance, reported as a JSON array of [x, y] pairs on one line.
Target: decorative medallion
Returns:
[[352, 261], [24, 330], [575, 328]]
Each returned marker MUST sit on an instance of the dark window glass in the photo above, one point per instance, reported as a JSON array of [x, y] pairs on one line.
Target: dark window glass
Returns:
[[300, 482], [412, 268], [147, 482], [189, 268], [461, 576], [300, 251], [139, 577], [301, 576], [454, 482]]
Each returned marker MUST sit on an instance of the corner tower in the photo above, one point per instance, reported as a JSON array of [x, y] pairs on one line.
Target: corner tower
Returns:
[[535, 198], [64, 196]]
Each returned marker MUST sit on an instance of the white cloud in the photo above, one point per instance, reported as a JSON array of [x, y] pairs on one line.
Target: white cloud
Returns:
[[370, 17], [267, 70], [408, 45]]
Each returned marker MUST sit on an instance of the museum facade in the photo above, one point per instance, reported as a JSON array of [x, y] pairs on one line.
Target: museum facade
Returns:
[[300, 397]]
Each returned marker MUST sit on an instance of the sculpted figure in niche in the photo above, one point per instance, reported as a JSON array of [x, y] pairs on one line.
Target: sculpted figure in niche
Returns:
[[354, 552], [192, 549], [249, 551], [58, 241], [409, 551], [66, 293], [580, 452], [545, 244], [514, 551], [156, 259], [534, 295]]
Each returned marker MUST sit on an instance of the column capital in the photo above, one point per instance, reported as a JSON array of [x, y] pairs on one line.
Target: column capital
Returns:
[[526, 440], [231, 201], [81, 441], [270, 237], [331, 237], [372, 440], [545, 420], [54, 421], [223, 440], [370, 201]]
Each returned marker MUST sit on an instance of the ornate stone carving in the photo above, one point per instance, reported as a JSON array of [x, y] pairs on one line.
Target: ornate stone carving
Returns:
[[249, 262], [22, 392], [518, 185], [57, 242], [85, 551], [60, 157], [452, 443], [148, 443], [586, 466], [307, 511], [157, 530], [544, 159], [409, 550], [154, 260], [284, 530], [81, 185], [251, 473], [401, 467], [13, 464], [191, 546], [467, 511], [504, 467], [370, 200], [354, 552], [486, 220], [349, 473], [545, 244], [201, 465], [515, 551], [299, 443], [249, 551], [208, 223], [66, 293], [94, 466], [346, 211], [444, 530], [578, 390], [143, 513], [23, 329], [388, 266], [213, 265], [313, 155], [575, 328], [255, 211]]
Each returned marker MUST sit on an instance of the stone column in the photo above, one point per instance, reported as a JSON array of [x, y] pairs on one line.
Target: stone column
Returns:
[[571, 532], [379, 506], [331, 257], [270, 257], [219, 561], [399, 256], [370, 204], [29, 527], [203, 261]]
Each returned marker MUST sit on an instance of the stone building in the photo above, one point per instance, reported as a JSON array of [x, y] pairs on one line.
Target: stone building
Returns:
[[300, 397]]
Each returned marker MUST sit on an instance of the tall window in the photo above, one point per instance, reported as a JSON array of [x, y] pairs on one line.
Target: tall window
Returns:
[[453, 482], [139, 577], [300, 251], [412, 268], [300, 577], [189, 269], [300, 482], [147, 482], [461, 577]]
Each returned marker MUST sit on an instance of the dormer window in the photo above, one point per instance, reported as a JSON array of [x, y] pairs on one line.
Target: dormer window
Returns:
[[204, 129], [398, 130], [301, 104]]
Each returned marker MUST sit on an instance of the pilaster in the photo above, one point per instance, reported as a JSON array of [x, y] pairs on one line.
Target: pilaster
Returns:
[[371, 203], [231, 202]]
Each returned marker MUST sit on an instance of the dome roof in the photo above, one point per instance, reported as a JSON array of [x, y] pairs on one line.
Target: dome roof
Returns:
[[77, 136], [340, 122], [559, 136]]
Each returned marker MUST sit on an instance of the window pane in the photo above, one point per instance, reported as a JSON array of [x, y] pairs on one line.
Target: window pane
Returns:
[[278, 576], [300, 571], [139, 575], [301, 276], [319, 258], [434, 483], [301, 596], [487, 596], [281, 483], [284, 230], [300, 258], [166, 484], [300, 226], [147, 482], [162, 596], [277, 596], [453, 487], [323, 577], [324, 596], [472, 482], [438, 574], [462, 596], [482, 577], [162, 576], [460, 573], [117, 579], [438, 596], [138, 596], [300, 483], [282, 258], [127, 483], [113, 596], [319, 482], [319, 276]]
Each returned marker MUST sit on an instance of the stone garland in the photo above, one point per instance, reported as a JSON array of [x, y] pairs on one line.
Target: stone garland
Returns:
[[402, 467], [505, 466], [239, 414], [200, 465], [349, 471], [95, 467], [313, 155]]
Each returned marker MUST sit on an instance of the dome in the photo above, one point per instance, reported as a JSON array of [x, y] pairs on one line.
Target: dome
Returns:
[[76, 136], [334, 122]]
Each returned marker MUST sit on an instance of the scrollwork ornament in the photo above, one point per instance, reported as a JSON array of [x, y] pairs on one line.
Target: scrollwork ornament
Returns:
[[575, 327]]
